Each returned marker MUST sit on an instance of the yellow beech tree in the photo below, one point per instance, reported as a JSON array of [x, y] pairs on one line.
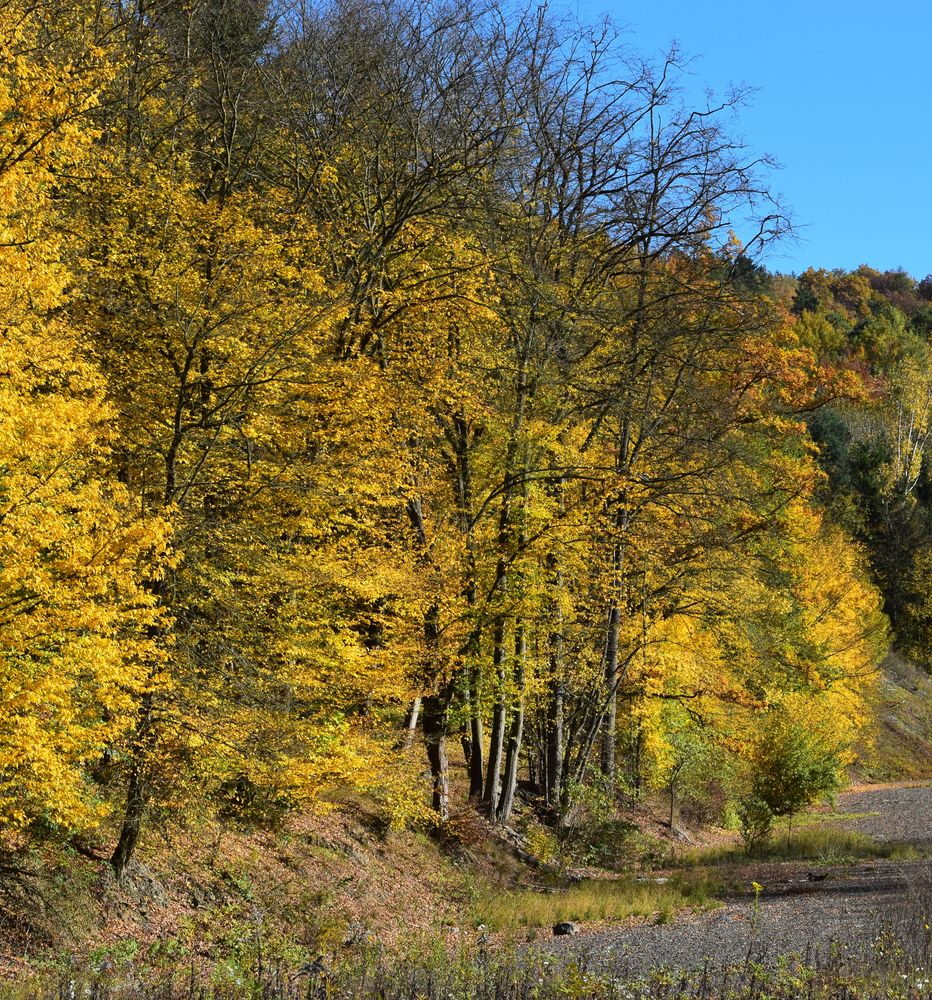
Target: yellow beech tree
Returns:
[[786, 619], [210, 324], [272, 460], [75, 652]]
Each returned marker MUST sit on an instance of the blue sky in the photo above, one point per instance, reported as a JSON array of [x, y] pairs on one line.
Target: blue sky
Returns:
[[843, 102]]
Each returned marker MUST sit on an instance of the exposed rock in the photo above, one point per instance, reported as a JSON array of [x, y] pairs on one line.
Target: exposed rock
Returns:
[[565, 927]]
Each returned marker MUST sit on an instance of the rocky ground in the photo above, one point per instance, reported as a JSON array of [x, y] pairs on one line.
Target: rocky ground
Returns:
[[813, 912], [899, 812]]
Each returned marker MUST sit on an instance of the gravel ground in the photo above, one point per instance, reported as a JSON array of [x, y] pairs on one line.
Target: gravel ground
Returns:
[[904, 814], [846, 916], [844, 913]]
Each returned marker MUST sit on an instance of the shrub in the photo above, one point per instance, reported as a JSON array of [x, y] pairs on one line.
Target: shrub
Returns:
[[792, 766], [756, 819]]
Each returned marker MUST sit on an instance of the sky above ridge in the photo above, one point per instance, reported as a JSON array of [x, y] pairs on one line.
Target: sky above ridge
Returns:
[[843, 102]]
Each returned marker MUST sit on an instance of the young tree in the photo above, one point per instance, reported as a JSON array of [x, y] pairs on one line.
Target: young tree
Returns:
[[792, 766]]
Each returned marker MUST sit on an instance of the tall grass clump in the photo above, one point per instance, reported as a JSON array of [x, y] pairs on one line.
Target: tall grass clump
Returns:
[[817, 843], [594, 901]]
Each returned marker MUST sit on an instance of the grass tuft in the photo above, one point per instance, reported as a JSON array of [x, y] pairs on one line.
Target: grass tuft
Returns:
[[595, 900], [817, 843]]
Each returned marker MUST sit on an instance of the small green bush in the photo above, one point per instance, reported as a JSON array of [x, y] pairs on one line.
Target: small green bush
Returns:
[[792, 766], [756, 819]]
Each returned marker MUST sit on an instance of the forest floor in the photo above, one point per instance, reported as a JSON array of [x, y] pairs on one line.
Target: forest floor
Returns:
[[828, 906]]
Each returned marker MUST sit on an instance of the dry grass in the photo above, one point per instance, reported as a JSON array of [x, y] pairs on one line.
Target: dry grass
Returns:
[[594, 901], [817, 842]]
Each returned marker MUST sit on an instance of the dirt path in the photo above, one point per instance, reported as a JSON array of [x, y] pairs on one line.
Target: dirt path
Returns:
[[843, 913]]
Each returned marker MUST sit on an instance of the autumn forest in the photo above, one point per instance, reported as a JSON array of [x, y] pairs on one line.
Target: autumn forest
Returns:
[[393, 398]]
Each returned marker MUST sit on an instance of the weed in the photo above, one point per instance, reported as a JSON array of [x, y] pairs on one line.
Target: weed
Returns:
[[892, 971]]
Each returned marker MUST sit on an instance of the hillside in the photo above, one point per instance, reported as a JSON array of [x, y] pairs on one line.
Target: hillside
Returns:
[[322, 884], [902, 735]]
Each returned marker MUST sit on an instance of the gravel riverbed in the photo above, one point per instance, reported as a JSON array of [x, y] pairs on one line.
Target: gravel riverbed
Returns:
[[893, 813], [852, 909]]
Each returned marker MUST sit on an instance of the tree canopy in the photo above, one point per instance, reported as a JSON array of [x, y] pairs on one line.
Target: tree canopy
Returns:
[[393, 364]]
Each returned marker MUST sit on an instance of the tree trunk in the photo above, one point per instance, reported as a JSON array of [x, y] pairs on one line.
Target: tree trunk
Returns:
[[515, 732], [460, 436], [610, 719], [612, 675], [466, 744], [136, 788], [475, 738], [132, 822], [505, 542], [552, 742], [434, 706], [636, 759], [554, 748], [435, 736], [473, 680], [615, 603], [497, 734], [675, 771], [411, 723], [552, 756]]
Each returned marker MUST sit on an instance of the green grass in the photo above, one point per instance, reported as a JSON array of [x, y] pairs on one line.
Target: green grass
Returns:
[[817, 842], [814, 818], [594, 900]]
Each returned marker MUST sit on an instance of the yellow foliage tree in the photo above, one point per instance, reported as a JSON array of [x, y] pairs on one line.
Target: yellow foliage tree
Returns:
[[75, 655]]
